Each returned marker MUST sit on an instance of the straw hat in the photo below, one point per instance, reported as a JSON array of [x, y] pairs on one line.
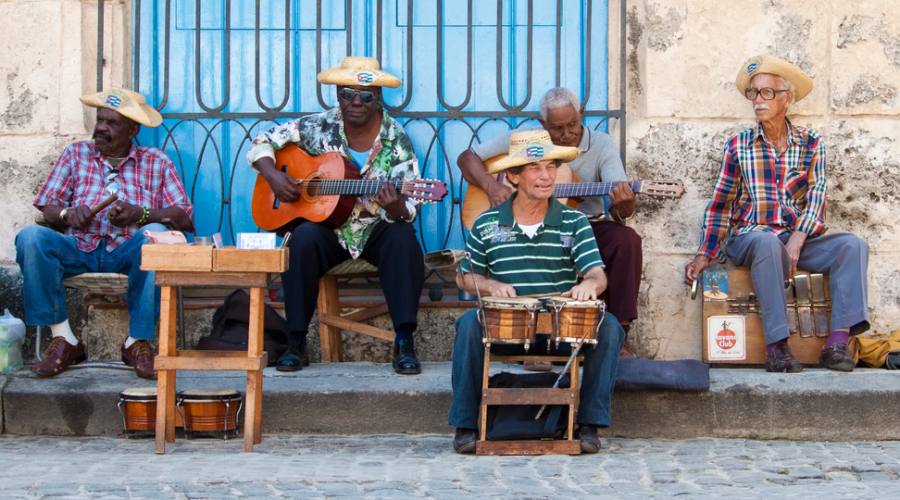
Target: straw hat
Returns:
[[765, 63], [356, 70], [125, 102], [530, 146]]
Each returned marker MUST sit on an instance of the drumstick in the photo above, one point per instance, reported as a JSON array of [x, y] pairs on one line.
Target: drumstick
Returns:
[[105, 203]]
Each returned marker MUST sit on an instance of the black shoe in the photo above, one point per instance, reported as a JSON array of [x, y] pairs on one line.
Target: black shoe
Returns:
[[294, 359], [590, 441], [464, 441], [781, 360], [837, 357], [405, 361]]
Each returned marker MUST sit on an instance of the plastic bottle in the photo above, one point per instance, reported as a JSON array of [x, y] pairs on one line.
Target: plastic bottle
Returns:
[[12, 334]]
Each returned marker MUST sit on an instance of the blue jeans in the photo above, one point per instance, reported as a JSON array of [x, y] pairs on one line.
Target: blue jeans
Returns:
[[46, 257], [843, 256], [597, 381]]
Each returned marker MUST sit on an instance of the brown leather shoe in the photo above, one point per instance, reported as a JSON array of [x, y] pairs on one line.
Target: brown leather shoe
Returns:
[[59, 356], [782, 360], [837, 357], [140, 356]]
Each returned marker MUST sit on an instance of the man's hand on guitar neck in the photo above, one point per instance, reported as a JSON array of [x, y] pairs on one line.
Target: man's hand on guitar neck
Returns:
[[622, 198], [281, 183], [392, 202]]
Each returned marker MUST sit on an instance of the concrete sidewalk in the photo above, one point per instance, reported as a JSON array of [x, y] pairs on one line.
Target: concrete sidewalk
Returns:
[[367, 398]]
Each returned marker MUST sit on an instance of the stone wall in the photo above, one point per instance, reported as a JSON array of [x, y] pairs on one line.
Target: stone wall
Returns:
[[682, 56]]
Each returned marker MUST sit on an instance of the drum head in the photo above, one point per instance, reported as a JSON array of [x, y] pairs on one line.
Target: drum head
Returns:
[[139, 393], [209, 395], [512, 302], [569, 302]]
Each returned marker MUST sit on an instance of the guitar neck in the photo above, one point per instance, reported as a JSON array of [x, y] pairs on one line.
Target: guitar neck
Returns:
[[350, 187], [586, 189]]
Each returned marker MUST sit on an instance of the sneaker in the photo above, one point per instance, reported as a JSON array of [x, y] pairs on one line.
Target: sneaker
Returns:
[[781, 360], [58, 356], [293, 359], [590, 441], [140, 356], [464, 441], [837, 357], [405, 361]]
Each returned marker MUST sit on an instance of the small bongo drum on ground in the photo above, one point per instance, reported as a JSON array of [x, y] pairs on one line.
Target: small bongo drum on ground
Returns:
[[215, 412], [575, 320], [510, 320], [138, 408]]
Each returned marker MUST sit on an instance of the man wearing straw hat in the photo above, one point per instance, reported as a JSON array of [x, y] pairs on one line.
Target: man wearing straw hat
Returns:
[[379, 228], [84, 239], [768, 213], [532, 244], [620, 246]]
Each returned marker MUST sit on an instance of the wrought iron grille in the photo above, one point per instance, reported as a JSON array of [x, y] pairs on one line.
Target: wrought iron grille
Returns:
[[221, 71]]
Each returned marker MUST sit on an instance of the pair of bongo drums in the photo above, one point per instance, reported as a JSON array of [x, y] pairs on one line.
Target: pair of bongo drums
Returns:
[[203, 412], [514, 320]]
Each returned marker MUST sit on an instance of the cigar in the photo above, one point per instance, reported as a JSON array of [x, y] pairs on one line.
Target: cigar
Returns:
[[103, 204]]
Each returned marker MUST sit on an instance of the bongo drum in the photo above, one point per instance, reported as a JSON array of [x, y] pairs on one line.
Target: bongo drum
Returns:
[[510, 320], [210, 411], [138, 408], [575, 320]]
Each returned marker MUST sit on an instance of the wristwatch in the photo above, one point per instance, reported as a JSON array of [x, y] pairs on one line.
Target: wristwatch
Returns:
[[62, 215]]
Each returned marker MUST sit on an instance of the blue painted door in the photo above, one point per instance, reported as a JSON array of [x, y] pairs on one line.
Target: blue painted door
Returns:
[[223, 70]]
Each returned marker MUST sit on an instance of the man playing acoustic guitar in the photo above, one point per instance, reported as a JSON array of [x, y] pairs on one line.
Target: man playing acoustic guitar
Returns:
[[379, 228], [620, 246]]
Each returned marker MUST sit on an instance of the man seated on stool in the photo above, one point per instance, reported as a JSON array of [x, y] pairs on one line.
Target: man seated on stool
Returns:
[[620, 246], [769, 203], [150, 194], [532, 244], [379, 228]]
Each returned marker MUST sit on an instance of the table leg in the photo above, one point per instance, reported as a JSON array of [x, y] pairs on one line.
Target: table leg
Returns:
[[253, 422], [483, 409], [165, 385]]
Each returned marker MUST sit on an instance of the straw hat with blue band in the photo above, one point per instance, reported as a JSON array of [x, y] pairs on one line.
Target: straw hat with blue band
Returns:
[[530, 146], [772, 65], [355, 70], [127, 103]]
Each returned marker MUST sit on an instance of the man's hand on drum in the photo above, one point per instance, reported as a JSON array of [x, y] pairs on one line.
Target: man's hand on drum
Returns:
[[498, 289], [591, 287]]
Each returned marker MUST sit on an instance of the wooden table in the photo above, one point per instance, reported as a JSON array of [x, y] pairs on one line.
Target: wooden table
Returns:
[[187, 265]]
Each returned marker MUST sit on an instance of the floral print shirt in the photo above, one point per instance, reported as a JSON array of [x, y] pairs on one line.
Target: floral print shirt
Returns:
[[391, 158]]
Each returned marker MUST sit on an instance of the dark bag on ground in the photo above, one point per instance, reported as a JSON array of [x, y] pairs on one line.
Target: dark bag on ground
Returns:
[[231, 327], [686, 375], [510, 422]]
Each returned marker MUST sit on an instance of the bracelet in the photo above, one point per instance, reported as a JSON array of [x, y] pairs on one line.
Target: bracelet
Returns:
[[145, 216]]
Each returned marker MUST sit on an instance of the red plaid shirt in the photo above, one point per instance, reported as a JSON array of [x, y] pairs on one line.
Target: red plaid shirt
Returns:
[[760, 190], [146, 178]]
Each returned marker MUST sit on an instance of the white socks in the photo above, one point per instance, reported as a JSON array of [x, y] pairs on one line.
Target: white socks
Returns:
[[130, 340], [65, 331]]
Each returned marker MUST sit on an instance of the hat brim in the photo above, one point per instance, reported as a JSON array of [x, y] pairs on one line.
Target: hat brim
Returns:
[[353, 77], [803, 83], [500, 163], [143, 114]]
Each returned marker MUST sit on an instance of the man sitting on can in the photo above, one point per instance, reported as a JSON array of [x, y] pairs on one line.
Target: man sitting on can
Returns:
[[532, 244], [768, 213]]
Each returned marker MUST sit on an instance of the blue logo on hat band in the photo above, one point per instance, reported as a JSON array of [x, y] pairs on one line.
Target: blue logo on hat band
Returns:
[[365, 77], [751, 68], [113, 101], [534, 152]]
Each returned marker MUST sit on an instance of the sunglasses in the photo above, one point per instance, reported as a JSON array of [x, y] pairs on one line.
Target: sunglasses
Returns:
[[347, 94]]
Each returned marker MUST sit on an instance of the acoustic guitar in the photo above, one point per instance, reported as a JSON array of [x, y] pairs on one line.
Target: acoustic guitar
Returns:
[[329, 185], [475, 200]]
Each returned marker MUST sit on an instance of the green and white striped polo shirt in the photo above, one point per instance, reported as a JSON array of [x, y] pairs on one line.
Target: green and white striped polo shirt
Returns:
[[546, 263]]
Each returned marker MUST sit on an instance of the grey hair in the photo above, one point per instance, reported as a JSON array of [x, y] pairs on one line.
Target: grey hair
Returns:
[[557, 98]]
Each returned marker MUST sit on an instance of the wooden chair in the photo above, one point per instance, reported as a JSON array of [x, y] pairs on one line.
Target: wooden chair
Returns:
[[332, 322]]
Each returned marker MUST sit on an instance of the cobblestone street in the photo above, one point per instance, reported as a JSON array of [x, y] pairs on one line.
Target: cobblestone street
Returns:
[[390, 466]]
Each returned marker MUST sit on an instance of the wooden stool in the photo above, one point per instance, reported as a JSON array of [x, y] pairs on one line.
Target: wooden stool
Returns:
[[186, 265], [529, 396], [332, 322]]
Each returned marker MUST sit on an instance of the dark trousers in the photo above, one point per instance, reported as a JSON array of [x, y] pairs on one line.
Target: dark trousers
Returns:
[[392, 248], [620, 248]]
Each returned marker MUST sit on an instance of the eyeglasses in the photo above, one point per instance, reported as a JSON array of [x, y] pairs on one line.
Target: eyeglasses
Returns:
[[767, 93], [347, 94]]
